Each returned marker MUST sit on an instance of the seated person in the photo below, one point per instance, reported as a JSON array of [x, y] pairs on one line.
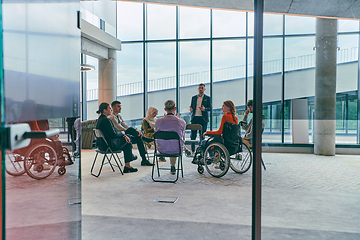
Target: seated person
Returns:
[[148, 126], [229, 111], [116, 140], [170, 122], [248, 127], [135, 135]]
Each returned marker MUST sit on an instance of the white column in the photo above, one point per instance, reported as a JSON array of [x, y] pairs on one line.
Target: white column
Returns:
[[107, 78]]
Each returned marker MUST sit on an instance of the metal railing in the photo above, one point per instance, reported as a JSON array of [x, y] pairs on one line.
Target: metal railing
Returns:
[[226, 74]]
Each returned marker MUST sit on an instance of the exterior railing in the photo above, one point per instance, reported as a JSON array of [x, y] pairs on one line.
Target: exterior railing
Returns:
[[225, 74]]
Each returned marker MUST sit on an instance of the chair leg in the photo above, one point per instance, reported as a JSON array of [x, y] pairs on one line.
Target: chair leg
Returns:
[[102, 164], [262, 162], [109, 161]]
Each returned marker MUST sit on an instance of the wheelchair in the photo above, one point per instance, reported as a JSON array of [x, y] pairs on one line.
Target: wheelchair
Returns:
[[39, 159], [219, 153]]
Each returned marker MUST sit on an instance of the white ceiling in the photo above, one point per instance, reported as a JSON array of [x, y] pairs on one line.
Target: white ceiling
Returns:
[[324, 8]]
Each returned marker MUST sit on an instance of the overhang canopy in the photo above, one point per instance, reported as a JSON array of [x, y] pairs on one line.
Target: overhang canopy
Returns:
[[319, 8]]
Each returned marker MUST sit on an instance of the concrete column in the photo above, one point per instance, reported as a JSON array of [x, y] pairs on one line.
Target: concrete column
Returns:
[[325, 86], [107, 78]]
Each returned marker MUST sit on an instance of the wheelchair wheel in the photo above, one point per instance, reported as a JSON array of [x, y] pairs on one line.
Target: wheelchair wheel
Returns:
[[241, 162], [200, 169], [40, 161], [14, 164], [216, 159]]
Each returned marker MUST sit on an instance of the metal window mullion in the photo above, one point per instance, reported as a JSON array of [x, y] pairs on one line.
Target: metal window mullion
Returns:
[[211, 71], [145, 61], [283, 86], [257, 120], [177, 61]]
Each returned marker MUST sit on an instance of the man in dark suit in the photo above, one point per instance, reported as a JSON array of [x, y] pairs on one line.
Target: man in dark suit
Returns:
[[200, 105]]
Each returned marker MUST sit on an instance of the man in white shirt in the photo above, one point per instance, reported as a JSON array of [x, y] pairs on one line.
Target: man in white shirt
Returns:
[[135, 135]]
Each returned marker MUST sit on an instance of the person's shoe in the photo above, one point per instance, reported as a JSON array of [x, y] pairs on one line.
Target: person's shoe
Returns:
[[69, 162], [195, 161], [162, 159], [173, 170], [146, 163], [148, 140], [134, 157], [129, 170]]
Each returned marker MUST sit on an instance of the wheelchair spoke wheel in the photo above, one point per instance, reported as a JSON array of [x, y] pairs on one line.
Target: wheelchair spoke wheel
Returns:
[[241, 162], [40, 161], [216, 159], [14, 164]]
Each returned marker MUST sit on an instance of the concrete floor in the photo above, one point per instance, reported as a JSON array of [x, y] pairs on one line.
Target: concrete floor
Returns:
[[304, 197]]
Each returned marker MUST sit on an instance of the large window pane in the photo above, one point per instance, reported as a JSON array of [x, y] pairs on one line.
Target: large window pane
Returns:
[[273, 24], [194, 22], [346, 87], [130, 83], [228, 23], [272, 89], [194, 69], [299, 77], [129, 21], [299, 25], [161, 74], [228, 76], [345, 25], [161, 21], [92, 86]]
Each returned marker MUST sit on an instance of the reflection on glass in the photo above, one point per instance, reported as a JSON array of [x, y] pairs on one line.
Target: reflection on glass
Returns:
[[228, 23], [345, 25], [194, 22], [161, 21], [129, 21], [161, 74], [299, 25], [130, 82]]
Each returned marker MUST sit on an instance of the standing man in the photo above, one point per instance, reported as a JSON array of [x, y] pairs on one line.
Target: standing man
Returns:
[[136, 136], [170, 122], [200, 105]]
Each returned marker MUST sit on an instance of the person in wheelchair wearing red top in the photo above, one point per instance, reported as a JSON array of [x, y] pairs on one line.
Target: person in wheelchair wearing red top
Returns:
[[229, 111]]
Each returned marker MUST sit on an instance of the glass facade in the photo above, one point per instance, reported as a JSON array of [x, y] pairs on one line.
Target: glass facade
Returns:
[[215, 47]]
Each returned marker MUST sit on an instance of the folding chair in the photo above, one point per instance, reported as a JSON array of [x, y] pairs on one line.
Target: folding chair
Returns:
[[167, 135], [99, 135], [192, 127]]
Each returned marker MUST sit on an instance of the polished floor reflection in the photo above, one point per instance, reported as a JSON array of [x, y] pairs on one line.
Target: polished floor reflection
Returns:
[[49, 208], [304, 197]]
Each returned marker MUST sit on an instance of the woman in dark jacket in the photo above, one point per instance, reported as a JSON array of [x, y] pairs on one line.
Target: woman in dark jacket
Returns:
[[116, 140]]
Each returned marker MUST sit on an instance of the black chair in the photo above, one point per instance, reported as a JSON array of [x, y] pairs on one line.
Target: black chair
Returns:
[[192, 127], [99, 135], [167, 135]]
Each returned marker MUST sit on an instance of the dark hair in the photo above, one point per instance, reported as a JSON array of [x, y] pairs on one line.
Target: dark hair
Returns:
[[201, 84], [231, 105], [249, 103], [114, 103], [102, 107]]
